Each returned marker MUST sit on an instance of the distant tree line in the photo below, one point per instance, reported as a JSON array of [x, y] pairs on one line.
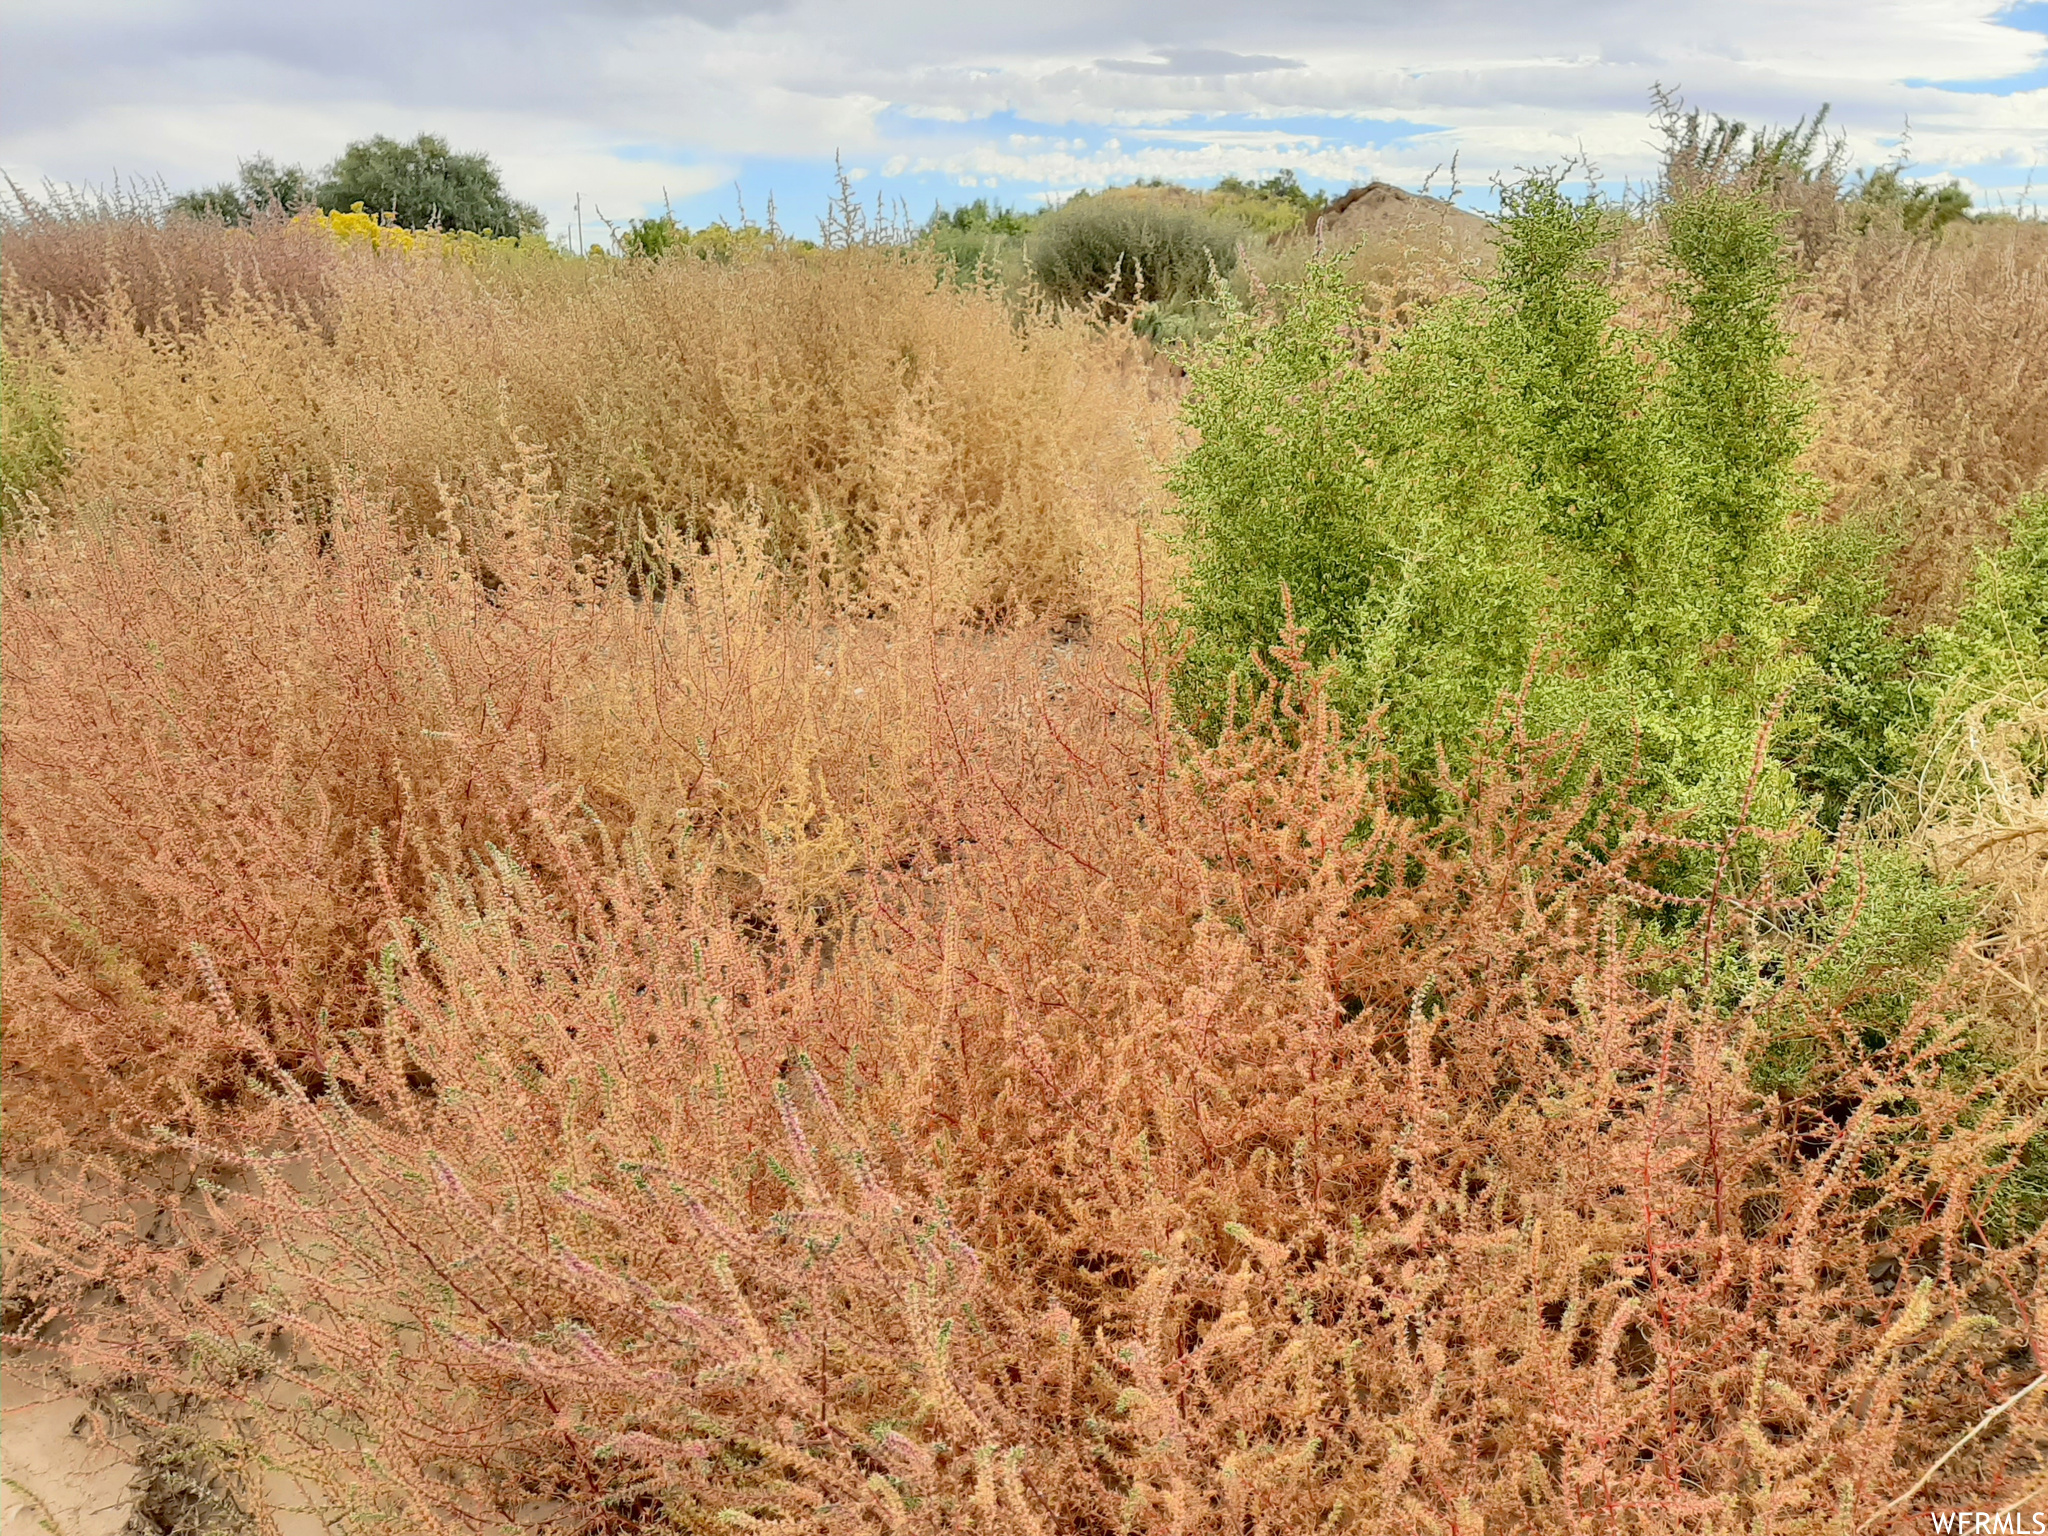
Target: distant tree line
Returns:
[[423, 184]]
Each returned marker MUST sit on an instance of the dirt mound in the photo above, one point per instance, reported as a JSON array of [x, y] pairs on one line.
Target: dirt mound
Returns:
[[1378, 213]]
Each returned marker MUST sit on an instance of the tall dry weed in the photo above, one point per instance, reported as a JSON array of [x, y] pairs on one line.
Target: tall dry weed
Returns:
[[221, 737], [853, 404], [1932, 392], [82, 263], [1183, 1141], [1983, 814]]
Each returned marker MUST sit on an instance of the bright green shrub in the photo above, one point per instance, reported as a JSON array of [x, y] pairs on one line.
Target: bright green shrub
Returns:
[[2001, 636], [980, 255], [653, 239], [1518, 479], [982, 243], [1274, 206], [31, 435], [1132, 250], [1843, 734]]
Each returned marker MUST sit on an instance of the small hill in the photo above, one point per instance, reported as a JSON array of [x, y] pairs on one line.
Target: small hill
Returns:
[[1379, 214]]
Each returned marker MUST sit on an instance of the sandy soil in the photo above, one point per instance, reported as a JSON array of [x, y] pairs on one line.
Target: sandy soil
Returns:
[[59, 1477]]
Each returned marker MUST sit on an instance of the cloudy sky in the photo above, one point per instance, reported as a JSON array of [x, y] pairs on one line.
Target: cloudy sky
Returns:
[[708, 102]]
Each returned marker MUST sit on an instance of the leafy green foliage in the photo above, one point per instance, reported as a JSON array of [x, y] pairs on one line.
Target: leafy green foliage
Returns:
[[653, 239], [1885, 195], [981, 216], [1129, 251], [2003, 629], [981, 241], [1278, 203], [31, 435], [1518, 488], [1842, 732], [426, 185], [262, 184], [1983, 685]]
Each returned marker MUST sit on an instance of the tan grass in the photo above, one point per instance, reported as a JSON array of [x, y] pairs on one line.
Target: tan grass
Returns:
[[1981, 799], [1929, 361], [853, 405]]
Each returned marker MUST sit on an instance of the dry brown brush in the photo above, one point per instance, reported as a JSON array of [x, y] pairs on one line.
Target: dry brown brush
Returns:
[[1181, 1139], [1933, 393], [854, 405], [80, 261], [221, 738], [745, 1046]]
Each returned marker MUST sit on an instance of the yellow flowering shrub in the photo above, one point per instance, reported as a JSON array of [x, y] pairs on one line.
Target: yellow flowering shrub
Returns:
[[380, 232]]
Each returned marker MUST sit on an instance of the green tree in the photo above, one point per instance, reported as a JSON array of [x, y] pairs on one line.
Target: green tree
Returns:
[[261, 184], [426, 185]]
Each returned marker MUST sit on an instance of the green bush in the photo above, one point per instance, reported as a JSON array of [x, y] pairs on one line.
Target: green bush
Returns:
[[1273, 206], [981, 243], [1886, 197], [1844, 736], [983, 217], [426, 185], [262, 184], [972, 254], [1518, 487], [654, 239], [1129, 251], [31, 436], [2001, 635]]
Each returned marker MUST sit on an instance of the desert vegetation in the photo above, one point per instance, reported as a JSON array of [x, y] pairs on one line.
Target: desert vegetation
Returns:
[[756, 885], [423, 184]]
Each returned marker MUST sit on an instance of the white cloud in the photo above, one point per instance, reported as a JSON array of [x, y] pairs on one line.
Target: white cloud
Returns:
[[616, 99], [1209, 62]]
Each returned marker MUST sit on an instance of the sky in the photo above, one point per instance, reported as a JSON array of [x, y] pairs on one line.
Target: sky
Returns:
[[618, 108]]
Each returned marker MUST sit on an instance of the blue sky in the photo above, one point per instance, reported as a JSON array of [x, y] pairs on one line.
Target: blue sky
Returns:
[[708, 103]]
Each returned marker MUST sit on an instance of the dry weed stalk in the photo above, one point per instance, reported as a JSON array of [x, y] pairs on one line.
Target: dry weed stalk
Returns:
[[1983, 813], [855, 405], [1183, 1141], [1934, 399], [265, 725]]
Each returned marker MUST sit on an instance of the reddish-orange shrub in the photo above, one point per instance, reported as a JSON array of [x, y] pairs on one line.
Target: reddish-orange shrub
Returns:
[[83, 262], [1180, 1140], [227, 737]]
